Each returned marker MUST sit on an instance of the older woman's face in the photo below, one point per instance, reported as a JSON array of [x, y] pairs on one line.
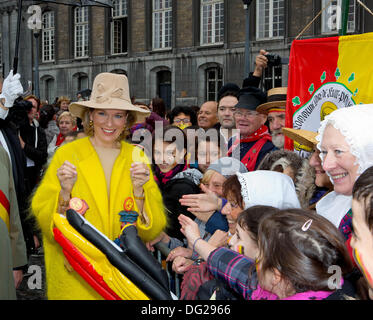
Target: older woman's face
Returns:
[[108, 124], [338, 161], [66, 125], [231, 210], [216, 183]]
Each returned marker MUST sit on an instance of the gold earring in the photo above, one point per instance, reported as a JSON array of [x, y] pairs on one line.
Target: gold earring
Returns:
[[90, 123]]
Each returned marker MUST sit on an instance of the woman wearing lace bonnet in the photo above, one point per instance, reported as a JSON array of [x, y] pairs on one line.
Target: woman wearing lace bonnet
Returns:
[[345, 141]]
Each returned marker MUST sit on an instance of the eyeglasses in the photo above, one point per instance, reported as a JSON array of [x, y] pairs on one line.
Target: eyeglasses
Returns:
[[182, 120], [233, 204], [247, 114]]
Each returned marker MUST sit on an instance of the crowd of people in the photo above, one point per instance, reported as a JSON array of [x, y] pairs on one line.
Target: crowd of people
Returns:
[[237, 216]]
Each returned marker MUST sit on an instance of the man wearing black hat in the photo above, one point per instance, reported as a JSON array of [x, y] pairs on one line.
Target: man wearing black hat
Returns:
[[254, 141]]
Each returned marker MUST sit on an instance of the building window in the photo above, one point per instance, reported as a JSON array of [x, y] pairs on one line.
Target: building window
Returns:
[[212, 22], [162, 24], [270, 19], [119, 27], [49, 89], [214, 81], [81, 32], [164, 87], [48, 37], [272, 77], [331, 20]]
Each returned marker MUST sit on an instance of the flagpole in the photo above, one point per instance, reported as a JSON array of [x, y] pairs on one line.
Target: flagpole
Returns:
[[344, 16], [15, 60]]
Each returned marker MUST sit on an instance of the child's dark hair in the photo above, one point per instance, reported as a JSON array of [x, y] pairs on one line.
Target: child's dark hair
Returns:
[[250, 218], [232, 187], [183, 109], [302, 256], [363, 190], [171, 134]]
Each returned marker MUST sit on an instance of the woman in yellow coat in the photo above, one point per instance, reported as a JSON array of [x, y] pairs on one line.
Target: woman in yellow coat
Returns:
[[103, 170]]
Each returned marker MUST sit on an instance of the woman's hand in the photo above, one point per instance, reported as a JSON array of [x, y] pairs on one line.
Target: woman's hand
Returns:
[[163, 237], [219, 238], [189, 229], [180, 264], [67, 176], [140, 174], [207, 202], [179, 252]]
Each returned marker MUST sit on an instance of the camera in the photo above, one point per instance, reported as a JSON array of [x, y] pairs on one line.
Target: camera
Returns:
[[274, 60]]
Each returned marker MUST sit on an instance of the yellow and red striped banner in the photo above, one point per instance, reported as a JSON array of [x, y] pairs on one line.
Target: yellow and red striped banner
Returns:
[[4, 208], [326, 74]]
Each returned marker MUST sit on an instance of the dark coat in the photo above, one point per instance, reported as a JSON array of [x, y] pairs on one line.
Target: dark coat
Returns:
[[172, 191]]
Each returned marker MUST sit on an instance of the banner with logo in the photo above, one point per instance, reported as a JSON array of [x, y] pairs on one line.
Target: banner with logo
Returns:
[[326, 74]]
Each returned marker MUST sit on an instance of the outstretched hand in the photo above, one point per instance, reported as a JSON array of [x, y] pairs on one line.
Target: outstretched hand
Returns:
[[206, 202], [189, 229]]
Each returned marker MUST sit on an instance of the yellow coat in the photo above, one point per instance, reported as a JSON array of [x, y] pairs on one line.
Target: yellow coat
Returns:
[[91, 186]]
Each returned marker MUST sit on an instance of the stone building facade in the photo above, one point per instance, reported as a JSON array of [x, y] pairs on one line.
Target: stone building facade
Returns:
[[180, 50]]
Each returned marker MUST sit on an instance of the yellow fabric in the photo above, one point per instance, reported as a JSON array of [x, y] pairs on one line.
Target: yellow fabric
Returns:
[[91, 186], [355, 55], [5, 216], [120, 284]]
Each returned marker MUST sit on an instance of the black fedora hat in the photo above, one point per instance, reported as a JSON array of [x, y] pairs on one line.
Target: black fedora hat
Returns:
[[250, 97]]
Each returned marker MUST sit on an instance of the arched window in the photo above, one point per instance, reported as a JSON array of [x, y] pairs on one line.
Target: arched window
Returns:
[[214, 81], [81, 32], [47, 40], [164, 87], [80, 81], [48, 86]]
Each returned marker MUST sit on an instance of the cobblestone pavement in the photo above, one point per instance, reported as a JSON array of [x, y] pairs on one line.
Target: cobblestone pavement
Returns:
[[32, 286]]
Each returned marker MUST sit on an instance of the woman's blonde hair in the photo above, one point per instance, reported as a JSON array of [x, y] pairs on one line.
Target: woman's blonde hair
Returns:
[[207, 176], [66, 114], [62, 98], [88, 127]]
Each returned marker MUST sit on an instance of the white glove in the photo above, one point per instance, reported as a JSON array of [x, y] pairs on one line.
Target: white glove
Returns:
[[12, 88]]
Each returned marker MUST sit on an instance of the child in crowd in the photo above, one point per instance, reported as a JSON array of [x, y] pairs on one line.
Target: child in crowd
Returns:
[[245, 242], [245, 239], [302, 256], [362, 222]]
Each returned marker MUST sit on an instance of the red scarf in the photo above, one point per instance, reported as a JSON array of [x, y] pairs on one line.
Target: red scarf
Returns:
[[60, 139], [261, 132]]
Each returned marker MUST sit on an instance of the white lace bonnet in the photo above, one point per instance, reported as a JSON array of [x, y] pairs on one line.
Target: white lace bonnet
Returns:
[[270, 188], [356, 125]]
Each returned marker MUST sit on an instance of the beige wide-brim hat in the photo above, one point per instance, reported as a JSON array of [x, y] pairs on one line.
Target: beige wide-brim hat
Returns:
[[303, 137], [276, 99], [110, 91]]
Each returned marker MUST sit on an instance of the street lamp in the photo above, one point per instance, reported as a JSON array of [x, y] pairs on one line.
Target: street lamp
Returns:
[[246, 5], [36, 33]]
